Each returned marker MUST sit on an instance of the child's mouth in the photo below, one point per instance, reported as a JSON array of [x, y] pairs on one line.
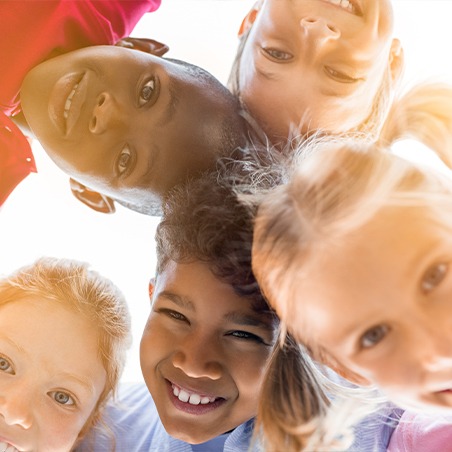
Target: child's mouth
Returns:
[[191, 402]]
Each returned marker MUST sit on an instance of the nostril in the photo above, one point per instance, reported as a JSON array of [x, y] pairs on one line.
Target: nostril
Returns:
[[101, 100], [331, 28]]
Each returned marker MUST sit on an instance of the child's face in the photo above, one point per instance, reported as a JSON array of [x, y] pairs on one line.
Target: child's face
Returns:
[[126, 123], [317, 64], [51, 376], [203, 353], [380, 304]]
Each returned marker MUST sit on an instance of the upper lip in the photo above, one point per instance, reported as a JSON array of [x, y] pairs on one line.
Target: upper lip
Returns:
[[66, 100]]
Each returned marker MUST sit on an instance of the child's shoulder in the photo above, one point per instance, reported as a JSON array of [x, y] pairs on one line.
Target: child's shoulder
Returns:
[[419, 431]]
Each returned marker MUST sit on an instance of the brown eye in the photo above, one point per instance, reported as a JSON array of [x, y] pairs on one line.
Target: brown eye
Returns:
[[433, 277], [146, 92], [340, 76], [124, 160]]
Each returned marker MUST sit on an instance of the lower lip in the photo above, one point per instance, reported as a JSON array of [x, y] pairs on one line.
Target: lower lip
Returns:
[[58, 97], [188, 408]]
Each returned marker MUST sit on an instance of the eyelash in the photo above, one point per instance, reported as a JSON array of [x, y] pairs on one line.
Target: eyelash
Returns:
[[146, 92], [340, 76], [173, 315], [70, 398], [244, 335], [277, 55], [10, 369], [383, 330], [434, 276]]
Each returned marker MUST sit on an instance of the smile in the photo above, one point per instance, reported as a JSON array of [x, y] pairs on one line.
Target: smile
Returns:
[[190, 397], [5, 447], [347, 5]]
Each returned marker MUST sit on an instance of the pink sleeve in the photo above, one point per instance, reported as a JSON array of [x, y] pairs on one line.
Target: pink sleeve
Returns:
[[422, 432]]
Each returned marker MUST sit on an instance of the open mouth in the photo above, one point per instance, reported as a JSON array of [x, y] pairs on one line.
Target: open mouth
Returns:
[[191, 402], [6, 447], [347, 5]]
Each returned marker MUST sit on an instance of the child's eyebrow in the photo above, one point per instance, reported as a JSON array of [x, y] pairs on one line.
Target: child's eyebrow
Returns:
[[14, 344], [82, 381], [246, 320], [181, 301]]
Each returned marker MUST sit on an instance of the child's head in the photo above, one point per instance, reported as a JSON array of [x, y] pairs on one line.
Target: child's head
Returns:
[[354, 255], [129, 124], [318, 64], [64, 333], [210, 333]]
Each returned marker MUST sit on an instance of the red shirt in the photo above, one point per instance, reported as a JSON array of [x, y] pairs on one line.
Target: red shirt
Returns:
[[36, 30]]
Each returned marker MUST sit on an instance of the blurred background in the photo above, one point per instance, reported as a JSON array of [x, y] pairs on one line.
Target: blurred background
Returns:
[[41, 217]]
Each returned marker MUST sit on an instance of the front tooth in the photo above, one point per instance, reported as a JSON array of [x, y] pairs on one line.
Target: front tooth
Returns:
[[183, 396], [176, 390], [205, 400], [195, 399], [336, 2], [11, 449]]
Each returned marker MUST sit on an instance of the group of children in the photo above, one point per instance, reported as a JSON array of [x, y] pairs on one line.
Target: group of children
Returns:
[[273, 309]]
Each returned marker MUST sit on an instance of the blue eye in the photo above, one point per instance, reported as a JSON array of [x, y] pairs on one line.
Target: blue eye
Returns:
[[433, 277], [124, 160], [277, 55], [146, 92], [373, 336], [5, 366], [62, 398]]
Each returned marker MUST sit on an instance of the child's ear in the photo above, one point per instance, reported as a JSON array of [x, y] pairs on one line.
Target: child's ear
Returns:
[[151, 288], [93, 199], [249, 19], [396, 60], [145, 45], [344, 372]]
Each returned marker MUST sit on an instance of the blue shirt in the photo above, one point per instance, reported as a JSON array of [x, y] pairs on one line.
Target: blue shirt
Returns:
[[136, 427]]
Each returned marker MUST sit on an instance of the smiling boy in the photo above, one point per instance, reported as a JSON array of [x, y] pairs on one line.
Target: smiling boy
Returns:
[[128, 124], [209, 335]]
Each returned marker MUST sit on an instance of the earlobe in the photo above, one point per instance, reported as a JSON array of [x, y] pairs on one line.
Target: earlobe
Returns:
[[93, 199], [396, 60]]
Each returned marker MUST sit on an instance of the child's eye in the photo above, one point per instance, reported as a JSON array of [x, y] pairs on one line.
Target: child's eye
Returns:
[[5, 366], [246, 336], [340, 76], [62, 398], [124, 161], [173, 315], [433, 277], [373, 336], [278, 55], [146, 92]]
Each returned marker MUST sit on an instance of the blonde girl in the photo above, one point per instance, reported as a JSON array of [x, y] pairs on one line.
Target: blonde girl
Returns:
[[64, 331], [354, 253]]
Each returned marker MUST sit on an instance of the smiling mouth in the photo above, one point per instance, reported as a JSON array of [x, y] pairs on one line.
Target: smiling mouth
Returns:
[[6, 447], [347, 5], [191, 397]]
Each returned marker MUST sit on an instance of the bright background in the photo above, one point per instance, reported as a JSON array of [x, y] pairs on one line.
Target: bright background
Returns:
[[42, 218]]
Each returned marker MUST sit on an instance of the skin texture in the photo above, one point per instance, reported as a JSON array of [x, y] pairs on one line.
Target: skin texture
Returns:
[[319, 66], [137, 124], [51, 376], [207, 340], [377, 303]]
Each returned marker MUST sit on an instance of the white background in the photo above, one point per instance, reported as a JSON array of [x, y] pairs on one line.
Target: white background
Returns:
[[42, 218]]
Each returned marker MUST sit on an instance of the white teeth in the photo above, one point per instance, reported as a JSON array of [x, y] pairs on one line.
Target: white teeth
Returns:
[[195, 399], [345, 4], [183, 396], [68, 103], [5, 447]]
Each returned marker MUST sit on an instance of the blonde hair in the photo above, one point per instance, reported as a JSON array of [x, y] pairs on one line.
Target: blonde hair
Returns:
[[74, 285], [335, 186], [370, 125]]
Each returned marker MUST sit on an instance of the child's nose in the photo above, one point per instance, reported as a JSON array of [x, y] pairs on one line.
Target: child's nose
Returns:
[[105, 114], [198, 359], [317, 32], [15, 408]]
